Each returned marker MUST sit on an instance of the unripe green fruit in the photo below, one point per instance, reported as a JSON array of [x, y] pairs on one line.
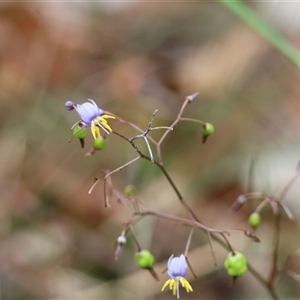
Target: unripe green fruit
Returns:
[[235, 264], [99, 143], [79, 132], [254, 219], [129, 190], [207, 129], [144, 259]]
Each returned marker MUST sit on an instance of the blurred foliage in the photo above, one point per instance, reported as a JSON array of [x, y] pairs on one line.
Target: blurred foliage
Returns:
[[132, 58]]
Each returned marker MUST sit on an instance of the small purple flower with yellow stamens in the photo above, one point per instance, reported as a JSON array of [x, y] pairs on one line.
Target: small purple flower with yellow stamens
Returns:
[[177, 267], [91, 116]]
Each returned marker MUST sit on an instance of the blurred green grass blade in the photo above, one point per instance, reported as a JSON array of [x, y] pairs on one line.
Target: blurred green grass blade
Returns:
[[264, 29]]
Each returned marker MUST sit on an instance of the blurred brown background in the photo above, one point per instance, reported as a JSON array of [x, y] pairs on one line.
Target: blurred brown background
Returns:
[[132, 58]]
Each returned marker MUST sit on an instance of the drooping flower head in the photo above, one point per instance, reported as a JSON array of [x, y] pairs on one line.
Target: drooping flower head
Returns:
[[88, 111], [91, 116], [177, 267]]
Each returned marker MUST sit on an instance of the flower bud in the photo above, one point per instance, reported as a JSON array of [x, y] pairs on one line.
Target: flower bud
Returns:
[[121, 240], [99, 143], [207, 130], [241, 200], [235, 264], [144, 259], [79, 131], [254, 219], [69, 105], [192, 97]]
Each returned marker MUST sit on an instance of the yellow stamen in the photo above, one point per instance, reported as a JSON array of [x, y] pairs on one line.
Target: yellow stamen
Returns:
[[103, 122], [166, 284], [108, 117], [174, 287], [100, 121], [95, 130], [186, 284]]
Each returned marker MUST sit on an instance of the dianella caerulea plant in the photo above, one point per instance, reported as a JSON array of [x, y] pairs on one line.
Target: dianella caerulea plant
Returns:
[[97, 121]]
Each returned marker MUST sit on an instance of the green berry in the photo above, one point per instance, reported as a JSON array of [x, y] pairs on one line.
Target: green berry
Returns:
[[99, 143], [129, 190], [235, 264], [207, 129], [80, 132], [254, 219], [144, 259]]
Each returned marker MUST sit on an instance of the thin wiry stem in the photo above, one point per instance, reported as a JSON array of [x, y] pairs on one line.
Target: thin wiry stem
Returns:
[[145, 133], [180, 220], [274, 268], [122, 167], [158, 146], [93, 186], [211, 248], [193, 120], [289, 185], [287, 211], [139, 247], [188, 242], [187, 250], [137, 128], [149, 149], [106, 200]]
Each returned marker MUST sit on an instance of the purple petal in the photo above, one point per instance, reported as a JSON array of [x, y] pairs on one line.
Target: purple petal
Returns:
[[88, 111], [100, 110], [169, 261], [177, 266]]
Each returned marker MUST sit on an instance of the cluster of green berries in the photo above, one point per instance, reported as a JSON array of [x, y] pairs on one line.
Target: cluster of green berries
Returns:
[[235, 264], [80, 132]]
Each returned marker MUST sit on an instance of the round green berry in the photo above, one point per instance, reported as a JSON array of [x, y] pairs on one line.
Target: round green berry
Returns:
[[129, 190], [235, 264], [207, 129], [79, 132], [99, 143], [144, 259], [254, 219]]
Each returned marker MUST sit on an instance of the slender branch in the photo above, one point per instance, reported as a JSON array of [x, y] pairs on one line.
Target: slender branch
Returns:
[[188, 242], [135, 238], [211, 248], [188, 100], [192, 120], [183, 221], [287, 211], [263, 282], [122, 167], [274, 268], [289, 185]]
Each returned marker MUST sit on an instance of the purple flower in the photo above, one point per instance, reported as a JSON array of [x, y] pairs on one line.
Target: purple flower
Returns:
[[177, 266], [91, 116], [88, 111]]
